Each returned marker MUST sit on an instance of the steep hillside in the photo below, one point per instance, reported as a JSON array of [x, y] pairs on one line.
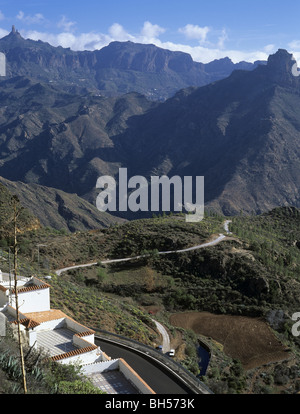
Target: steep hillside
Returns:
[[249, 281], [59, 210], [26, 219], [241, 133], [58, 139], [254, 270]]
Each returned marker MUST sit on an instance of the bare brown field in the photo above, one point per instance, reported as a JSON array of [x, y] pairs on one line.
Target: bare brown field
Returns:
[[249, 340]]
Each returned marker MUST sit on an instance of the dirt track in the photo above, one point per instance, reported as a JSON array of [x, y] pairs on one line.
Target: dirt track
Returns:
[[248, 339]]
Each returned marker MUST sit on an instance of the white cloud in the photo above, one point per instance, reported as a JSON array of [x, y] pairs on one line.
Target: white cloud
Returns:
[[84, 41], [38, 18], [270, 49], [3, 33], [66, 24], [117, 32], [151, 31], [294, 45], [294, 48], [195, 32], [43, 36], [296, 56], [222, 39], [208, 54], [66, 40], [2, 17]]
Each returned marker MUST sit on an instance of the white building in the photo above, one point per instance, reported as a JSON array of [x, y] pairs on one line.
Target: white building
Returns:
[[61, 338]]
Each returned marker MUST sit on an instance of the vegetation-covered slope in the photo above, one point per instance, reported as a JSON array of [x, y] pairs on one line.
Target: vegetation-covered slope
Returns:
[[253, 274]]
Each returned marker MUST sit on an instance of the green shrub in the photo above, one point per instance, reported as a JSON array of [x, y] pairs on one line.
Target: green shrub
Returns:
[[78, 387]]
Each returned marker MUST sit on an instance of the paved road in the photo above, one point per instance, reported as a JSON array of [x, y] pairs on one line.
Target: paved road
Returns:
[[148, 370], [165, 336], [226, 226], [188, 249], [65, 269]]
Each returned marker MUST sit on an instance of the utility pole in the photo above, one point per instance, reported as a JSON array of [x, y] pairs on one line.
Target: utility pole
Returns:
[[38, 246], [16, 213], [9, 275], [10, 211]]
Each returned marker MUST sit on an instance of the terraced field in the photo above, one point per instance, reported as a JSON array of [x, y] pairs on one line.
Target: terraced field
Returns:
[[249, 340]]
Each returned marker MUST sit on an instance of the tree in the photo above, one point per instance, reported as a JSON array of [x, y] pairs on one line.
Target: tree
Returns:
[[149, 278]]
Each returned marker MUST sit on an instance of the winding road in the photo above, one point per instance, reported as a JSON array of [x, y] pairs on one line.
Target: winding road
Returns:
[[166, 339], [220, 238], [163, 383], [160, 328], [155, 374]]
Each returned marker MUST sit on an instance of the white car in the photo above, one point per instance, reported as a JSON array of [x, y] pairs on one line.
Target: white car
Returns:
[[172, 352]]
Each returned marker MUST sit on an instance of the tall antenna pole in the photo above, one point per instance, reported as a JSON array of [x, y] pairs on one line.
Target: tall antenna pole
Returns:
[[16, 297]]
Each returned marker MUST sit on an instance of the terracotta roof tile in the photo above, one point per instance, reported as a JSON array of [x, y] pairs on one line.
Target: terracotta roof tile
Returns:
[[28, 323], [54, 314], [30, 288], [46, 316], [86, 333], [73, 353], [44, 283]]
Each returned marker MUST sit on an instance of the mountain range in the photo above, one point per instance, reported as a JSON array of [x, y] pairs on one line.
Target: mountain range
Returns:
[[116, 69], [240, 129]]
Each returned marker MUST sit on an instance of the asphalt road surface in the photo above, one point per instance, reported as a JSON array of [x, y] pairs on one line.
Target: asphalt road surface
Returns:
[[153, 375], [166, 339]]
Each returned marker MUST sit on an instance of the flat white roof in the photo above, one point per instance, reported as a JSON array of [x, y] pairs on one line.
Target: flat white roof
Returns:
[[56, 342]]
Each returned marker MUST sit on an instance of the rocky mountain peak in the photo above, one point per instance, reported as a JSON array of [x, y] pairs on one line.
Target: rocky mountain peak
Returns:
[[281, 59], [12, 39], [282, 67], [14, 32]]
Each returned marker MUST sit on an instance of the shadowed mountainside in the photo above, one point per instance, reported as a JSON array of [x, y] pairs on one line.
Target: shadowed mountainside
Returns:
[[57, 209], [241, 133]]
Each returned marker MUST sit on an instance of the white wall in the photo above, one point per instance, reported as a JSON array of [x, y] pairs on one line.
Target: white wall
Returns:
[[81, 342], [82, 359], [50, 325], [77, 327], [101, 366], [31, 335], [2, 324], [124, 368], [33, 301], [3, 298], [12, 311], [132, 376]]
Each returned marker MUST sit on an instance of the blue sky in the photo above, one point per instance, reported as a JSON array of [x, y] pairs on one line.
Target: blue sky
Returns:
[[240, 29]]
